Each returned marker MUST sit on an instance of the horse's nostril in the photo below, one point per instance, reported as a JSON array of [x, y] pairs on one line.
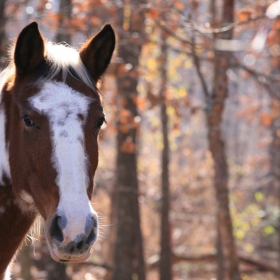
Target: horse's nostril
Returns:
[[95, 223], [80, 245], [71, 249], [92, 237], [55, 229]]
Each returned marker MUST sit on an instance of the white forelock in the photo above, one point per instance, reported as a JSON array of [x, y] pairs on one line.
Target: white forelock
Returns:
[[64, 58]]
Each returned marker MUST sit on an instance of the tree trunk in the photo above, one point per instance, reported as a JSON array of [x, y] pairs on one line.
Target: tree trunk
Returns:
[[165, 263], [25, 262], [275, 164], [2, 34], [128, 257], [55, 270], [220, 257], [274, 189], [64, 31], [216, 145], [109, 247]]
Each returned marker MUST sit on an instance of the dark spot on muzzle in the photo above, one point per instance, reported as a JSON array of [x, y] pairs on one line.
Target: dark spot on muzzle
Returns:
[[57, 224]]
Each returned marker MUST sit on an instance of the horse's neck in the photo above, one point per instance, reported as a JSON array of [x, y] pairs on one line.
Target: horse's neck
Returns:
[[14, 224], [4, 157], [14, 220]]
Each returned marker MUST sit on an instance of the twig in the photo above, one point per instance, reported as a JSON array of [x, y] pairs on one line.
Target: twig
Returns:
[[89, 263], [196, 62], [211, 30], [171, 33], [257, 75], [188, 23], [260, 265]]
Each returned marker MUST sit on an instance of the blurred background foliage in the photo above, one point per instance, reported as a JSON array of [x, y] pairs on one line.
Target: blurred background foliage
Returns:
[[192, 106]]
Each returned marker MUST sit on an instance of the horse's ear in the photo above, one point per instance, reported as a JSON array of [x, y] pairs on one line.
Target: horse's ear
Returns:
[[29, 50], [97, 52]]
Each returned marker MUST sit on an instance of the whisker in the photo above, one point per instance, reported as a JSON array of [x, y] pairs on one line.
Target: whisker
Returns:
[[114, 224]]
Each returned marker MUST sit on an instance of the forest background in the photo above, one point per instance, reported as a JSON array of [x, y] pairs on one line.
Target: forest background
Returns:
[[188, 181]]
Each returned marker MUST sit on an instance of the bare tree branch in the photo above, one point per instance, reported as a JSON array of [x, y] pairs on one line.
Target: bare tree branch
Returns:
[[261, 79], [259, 264], [196, 62], [171, 33]]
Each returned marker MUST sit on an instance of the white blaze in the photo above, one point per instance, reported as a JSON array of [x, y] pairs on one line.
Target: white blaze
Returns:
[[62, 105], [4, 156]]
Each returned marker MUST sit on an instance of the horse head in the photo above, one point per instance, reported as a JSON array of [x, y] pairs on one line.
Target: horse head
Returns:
[[54, 121]]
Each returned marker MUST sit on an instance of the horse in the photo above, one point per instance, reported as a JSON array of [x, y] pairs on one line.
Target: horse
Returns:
[[50, 117]]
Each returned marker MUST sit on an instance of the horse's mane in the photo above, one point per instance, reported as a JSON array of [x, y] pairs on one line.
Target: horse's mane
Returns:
[[60, 58]]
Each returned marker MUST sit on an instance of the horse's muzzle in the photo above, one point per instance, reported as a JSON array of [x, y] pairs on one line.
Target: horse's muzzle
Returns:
[[64, 248]]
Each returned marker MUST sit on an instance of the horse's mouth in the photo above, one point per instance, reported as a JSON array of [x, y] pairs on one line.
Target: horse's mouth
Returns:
[[66, 258], [56, 256]]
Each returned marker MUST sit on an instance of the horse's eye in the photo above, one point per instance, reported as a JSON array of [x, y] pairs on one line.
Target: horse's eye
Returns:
[[100, 121], [27, 121]]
